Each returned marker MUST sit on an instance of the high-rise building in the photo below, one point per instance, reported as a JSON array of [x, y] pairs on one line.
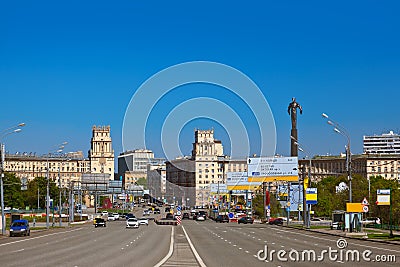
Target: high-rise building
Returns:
[[101, 154], [132, 165], [382, 144], [189, 179]]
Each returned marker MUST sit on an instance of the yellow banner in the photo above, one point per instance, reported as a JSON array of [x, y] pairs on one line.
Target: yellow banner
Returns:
[[354, 207], [243, 187], [273, 179], [311, 196]]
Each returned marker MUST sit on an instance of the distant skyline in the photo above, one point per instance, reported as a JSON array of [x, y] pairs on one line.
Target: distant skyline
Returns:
[[65, 67]]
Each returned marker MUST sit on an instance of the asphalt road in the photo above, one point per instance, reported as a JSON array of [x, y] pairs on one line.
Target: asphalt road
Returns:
[[215, 244], [238, 245], [86, 245]]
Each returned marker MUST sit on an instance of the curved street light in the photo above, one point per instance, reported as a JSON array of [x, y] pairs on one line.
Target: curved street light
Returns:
[[59, 149], [342, 131], [4, 133]]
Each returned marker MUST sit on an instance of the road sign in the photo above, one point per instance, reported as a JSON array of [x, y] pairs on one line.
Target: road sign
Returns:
[[269, 169], [231, 215], [178, 213], [178, 208], [365, 208], [365, 201], [178, 220], [383, 196], [311, 196]]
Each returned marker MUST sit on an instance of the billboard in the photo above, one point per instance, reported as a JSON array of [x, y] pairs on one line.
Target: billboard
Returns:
[[239, 181], [271, 169], [383, 197], [218, 188]]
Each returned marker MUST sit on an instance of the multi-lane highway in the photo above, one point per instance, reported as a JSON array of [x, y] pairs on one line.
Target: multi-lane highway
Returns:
[[195, 244], [238, 245]]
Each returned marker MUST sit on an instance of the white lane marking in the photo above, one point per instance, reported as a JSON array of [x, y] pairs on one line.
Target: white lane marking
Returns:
[[240, 248], [171, 250], [19, 250], [247, 251], [199, 260], [32, 238], [234, 245]]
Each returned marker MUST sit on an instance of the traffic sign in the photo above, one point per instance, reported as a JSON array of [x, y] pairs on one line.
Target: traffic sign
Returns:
[[178, 208], [231, 215], [178, 213], [365, 201], [365, 209]]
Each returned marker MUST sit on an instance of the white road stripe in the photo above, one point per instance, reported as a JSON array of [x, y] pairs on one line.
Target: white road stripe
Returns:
[[199, 260], [171, 249], [32, 238]]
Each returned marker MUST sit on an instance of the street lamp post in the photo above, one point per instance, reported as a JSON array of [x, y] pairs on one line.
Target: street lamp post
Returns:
[[4, 133], [59, 150], [306, 209], [343, 132]]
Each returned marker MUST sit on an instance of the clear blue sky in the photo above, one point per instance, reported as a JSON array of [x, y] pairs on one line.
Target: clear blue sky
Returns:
[[67, 66]]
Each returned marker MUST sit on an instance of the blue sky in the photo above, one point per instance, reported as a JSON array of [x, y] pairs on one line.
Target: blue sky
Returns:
[[67, 66]]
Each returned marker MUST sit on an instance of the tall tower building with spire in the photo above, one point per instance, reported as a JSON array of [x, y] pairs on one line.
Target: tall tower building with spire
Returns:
[[101, 154]]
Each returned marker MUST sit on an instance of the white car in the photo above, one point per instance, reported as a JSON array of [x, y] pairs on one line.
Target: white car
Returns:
[[132, 223], [110, 217], [116, 216], [146, 212], [200, 218], [143, 221], [104, 213]]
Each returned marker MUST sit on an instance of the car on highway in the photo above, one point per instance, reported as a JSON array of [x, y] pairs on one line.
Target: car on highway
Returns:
[[276, 221], [116, 216], [132, 223], [143, 221], [222, 219], [20, 227], [99, 222], [200, 217], [110, 217], [157, 211], [185, 215], [146, 213], [246, 220], [169, 216], [129, 215]]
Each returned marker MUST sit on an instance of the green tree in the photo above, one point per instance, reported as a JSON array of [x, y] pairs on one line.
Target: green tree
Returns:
[[31, 195], [13, 196]]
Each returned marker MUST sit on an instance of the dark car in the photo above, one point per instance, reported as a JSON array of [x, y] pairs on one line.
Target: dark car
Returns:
[[185, 215], [276, 221], [20, 227], [169, 216], [246, 220], [129, 215], [203, 214], [157, 211], [99, 222], [222, 219]]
